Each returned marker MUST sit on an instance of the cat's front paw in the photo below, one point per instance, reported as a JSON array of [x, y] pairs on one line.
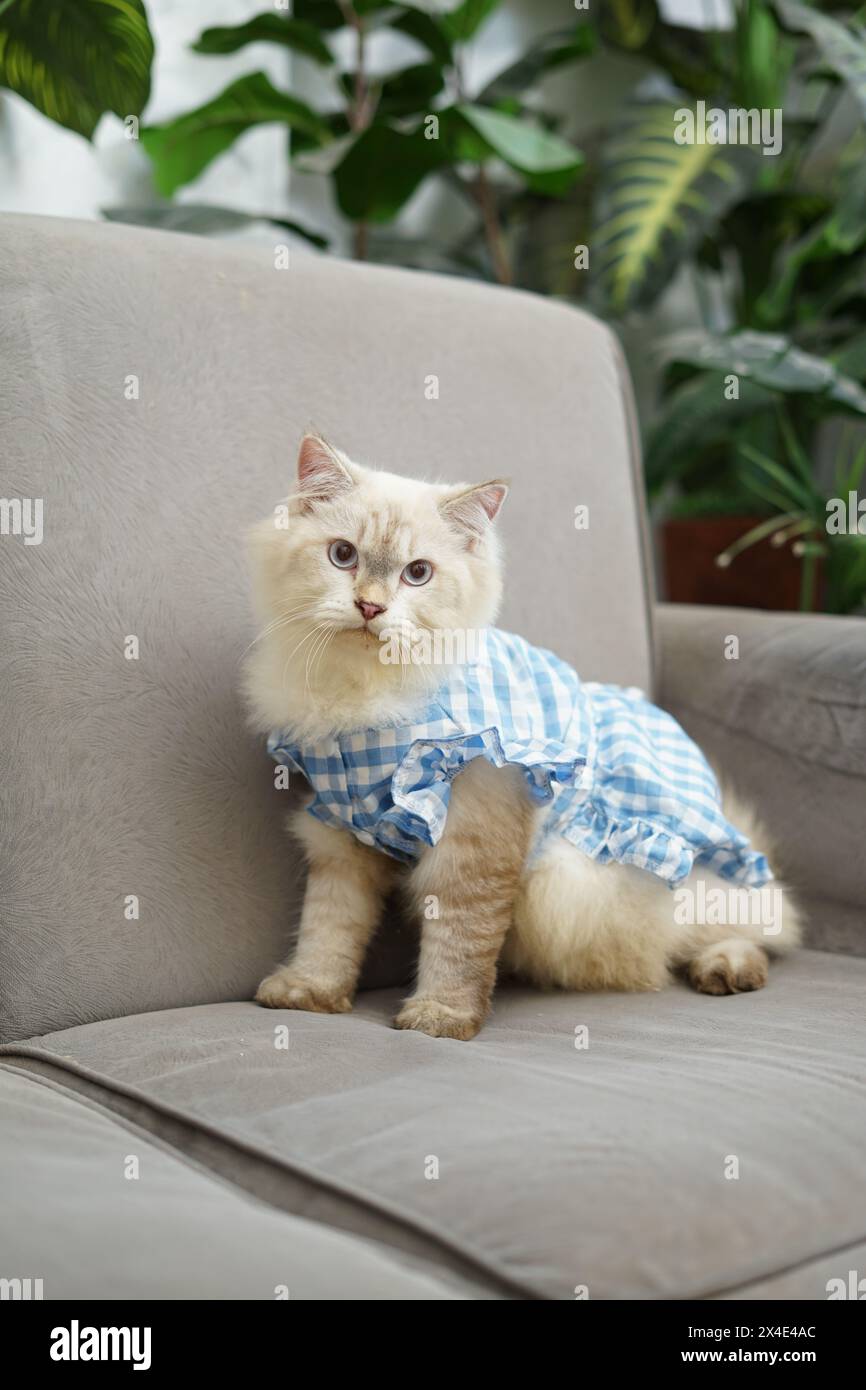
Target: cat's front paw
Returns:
[[438, 1020], [286, 990]]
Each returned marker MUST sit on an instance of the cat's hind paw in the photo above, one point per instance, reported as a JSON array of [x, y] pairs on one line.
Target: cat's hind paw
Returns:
[[729, 967]]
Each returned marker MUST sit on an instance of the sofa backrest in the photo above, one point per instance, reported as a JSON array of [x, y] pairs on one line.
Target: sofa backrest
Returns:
[[154, 389]]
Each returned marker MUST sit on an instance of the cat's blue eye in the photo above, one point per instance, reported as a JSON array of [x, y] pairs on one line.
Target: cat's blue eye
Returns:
[[417, 572], [343, 554]]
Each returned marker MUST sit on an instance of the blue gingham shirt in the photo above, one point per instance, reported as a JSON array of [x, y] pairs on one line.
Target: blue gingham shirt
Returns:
[[618, 777]]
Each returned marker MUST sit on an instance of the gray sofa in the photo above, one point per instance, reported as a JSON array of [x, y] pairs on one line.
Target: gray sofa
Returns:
[[162, 1136]]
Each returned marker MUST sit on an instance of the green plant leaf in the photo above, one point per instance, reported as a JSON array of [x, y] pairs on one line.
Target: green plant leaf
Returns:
[[76, 59], [797, 456], [851, 359], [322, 159], [657, 199], [695, 62], [629, 23], [789, 485], [845, 571], [296, 34], [844, 232], [773, 361], [695, 416], [457, 19], [184, 147], [323, 14], [762, 57], [849, 477], [841, 233], [549, 163], [403, 93], [207, 219], [421, 253], [425, 29], [712, 501], [461, 22], [548, 53], [842, 46], [757, 488], [773, 526], [381, 171]]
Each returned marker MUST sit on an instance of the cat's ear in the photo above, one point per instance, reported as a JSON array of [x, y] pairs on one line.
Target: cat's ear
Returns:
[[322, 473], [472, 509]]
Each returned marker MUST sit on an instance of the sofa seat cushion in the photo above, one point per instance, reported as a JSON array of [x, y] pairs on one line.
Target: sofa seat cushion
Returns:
[[666, 1145], [101, 1210]]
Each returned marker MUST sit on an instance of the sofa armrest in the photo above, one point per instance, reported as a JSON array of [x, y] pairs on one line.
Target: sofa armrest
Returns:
[[777, 701]]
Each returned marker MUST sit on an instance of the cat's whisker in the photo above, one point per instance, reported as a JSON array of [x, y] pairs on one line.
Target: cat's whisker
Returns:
[[275, 626], [321, 637], [318, 661], [306, 638], [316, 655], [304, 598], [316, 628]]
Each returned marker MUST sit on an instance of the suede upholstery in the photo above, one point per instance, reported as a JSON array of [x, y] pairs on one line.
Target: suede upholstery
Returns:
[[784, 721]]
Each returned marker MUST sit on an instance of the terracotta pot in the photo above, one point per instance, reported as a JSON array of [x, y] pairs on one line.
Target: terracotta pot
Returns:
[[764, 576]]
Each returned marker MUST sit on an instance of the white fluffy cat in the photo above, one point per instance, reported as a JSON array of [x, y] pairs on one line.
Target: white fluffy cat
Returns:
[[365, 552]]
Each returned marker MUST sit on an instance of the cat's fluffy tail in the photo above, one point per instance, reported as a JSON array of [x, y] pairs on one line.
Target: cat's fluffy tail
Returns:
[[742, 814]]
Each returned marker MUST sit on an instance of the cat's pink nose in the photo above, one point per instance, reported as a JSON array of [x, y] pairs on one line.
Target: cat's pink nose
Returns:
[[369, 610]]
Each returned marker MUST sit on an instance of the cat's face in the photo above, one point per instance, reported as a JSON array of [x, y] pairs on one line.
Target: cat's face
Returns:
[[359, 554]]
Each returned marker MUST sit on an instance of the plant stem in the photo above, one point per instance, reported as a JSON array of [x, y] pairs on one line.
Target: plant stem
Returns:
[[485, 197], [807, 584], [492, 229], [359, 113]]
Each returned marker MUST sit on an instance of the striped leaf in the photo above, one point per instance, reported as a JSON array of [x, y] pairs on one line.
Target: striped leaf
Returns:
[[657, 199], [76, 59]]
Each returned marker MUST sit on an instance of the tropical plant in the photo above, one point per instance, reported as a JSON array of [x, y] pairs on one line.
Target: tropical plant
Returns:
[[377, 137], [804, 516], [773, 246]]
